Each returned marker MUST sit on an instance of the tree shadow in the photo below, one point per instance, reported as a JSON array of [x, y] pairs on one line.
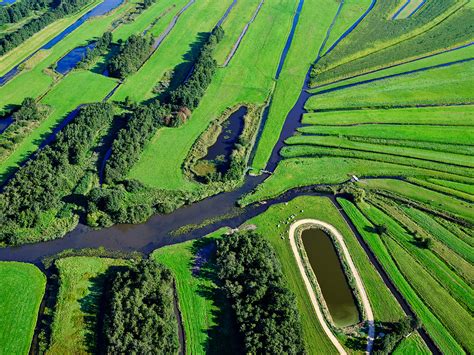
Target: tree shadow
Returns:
[[185, 67], [93, 306], [222, 337]]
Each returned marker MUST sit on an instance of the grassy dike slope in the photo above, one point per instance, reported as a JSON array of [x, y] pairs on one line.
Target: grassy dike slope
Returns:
[[247, 79], [76, 312], [273, 225], [207, 319], [21, 290], [315, 19]]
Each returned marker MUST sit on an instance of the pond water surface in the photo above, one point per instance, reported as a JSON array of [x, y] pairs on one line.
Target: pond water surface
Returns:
[[231, 130], [331, 278], [70, 60]]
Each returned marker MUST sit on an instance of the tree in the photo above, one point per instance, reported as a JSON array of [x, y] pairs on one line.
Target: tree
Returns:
[[381, 229]]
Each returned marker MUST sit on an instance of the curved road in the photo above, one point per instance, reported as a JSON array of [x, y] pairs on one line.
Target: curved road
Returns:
[[309, 287]]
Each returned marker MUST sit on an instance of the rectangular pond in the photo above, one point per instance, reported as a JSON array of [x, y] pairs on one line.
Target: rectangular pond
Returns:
[[331, 278]]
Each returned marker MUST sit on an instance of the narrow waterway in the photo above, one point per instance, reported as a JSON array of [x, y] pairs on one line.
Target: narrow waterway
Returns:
[[5, 123], [101, 9], [70, 60], [330, 275]]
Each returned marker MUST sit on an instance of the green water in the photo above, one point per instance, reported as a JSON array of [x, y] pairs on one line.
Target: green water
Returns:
[[331, 278]]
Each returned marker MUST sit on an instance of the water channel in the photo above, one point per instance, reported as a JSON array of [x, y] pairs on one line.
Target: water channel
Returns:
[[330, 275], [101, 9], [70, 60]]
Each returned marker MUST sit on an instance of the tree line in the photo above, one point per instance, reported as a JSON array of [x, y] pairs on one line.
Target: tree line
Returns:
[[41, 185], [21, 9], [140, 316], [100, 47], [131, 56], [59, 10], [144, 120], [265, 309]]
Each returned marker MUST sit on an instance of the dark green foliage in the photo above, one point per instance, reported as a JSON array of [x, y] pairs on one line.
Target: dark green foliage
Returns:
[[127, 147], [146, 119], [101, 46], [59, 10], [140, 316], [21, 9], [46, 179], [28, 111], [396, 332], [189, 94], [379, 31], [265, 309], [380, 229], [132, 55]]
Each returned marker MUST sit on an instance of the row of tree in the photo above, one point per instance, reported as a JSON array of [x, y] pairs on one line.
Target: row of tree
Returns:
[[61, 9], [265, 309], [101, 46], [48, 177], [127, 147], [131, 56], [146, 119], [140, 316], [21, 9]]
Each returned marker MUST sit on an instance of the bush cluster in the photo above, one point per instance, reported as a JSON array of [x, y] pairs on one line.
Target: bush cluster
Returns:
[[265, 309], [131, 56], [146, 119], [140, 317], [21, 9], [47, 178], [61, 9], [100, 47], [127, 147]]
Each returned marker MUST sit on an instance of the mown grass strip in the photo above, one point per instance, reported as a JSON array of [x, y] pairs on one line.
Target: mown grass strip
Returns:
[[76, 314], [430, 322], [21, 290], [442, 86]]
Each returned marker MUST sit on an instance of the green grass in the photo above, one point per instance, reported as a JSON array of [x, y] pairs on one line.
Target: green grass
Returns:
[[272, 224], [408, 9], [441, 58], [434, 200], [247, 79], [350, 12], [442, 86], [21, 291], [432, 134], [10, 59], [413, 344], [207, 320], [291, 173], [175, 49], [451, 116], [77, 307], [233, 26], [430, 322], [456, 244], [305, 143], [35, 82], [75, 89], [468, 189], [309, 36]]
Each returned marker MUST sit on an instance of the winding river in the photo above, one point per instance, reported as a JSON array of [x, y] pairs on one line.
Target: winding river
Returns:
[[156, 232]]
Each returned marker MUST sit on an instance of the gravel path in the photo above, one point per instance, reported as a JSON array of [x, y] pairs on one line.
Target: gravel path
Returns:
[[309, 288]]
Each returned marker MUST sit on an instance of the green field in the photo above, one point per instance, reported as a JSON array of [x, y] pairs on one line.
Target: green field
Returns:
[[206, 314], [21, 291], [274, 225], [75, 321]]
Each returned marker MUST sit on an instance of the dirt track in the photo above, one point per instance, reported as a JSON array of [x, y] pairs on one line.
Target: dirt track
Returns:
[[309, 288]]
